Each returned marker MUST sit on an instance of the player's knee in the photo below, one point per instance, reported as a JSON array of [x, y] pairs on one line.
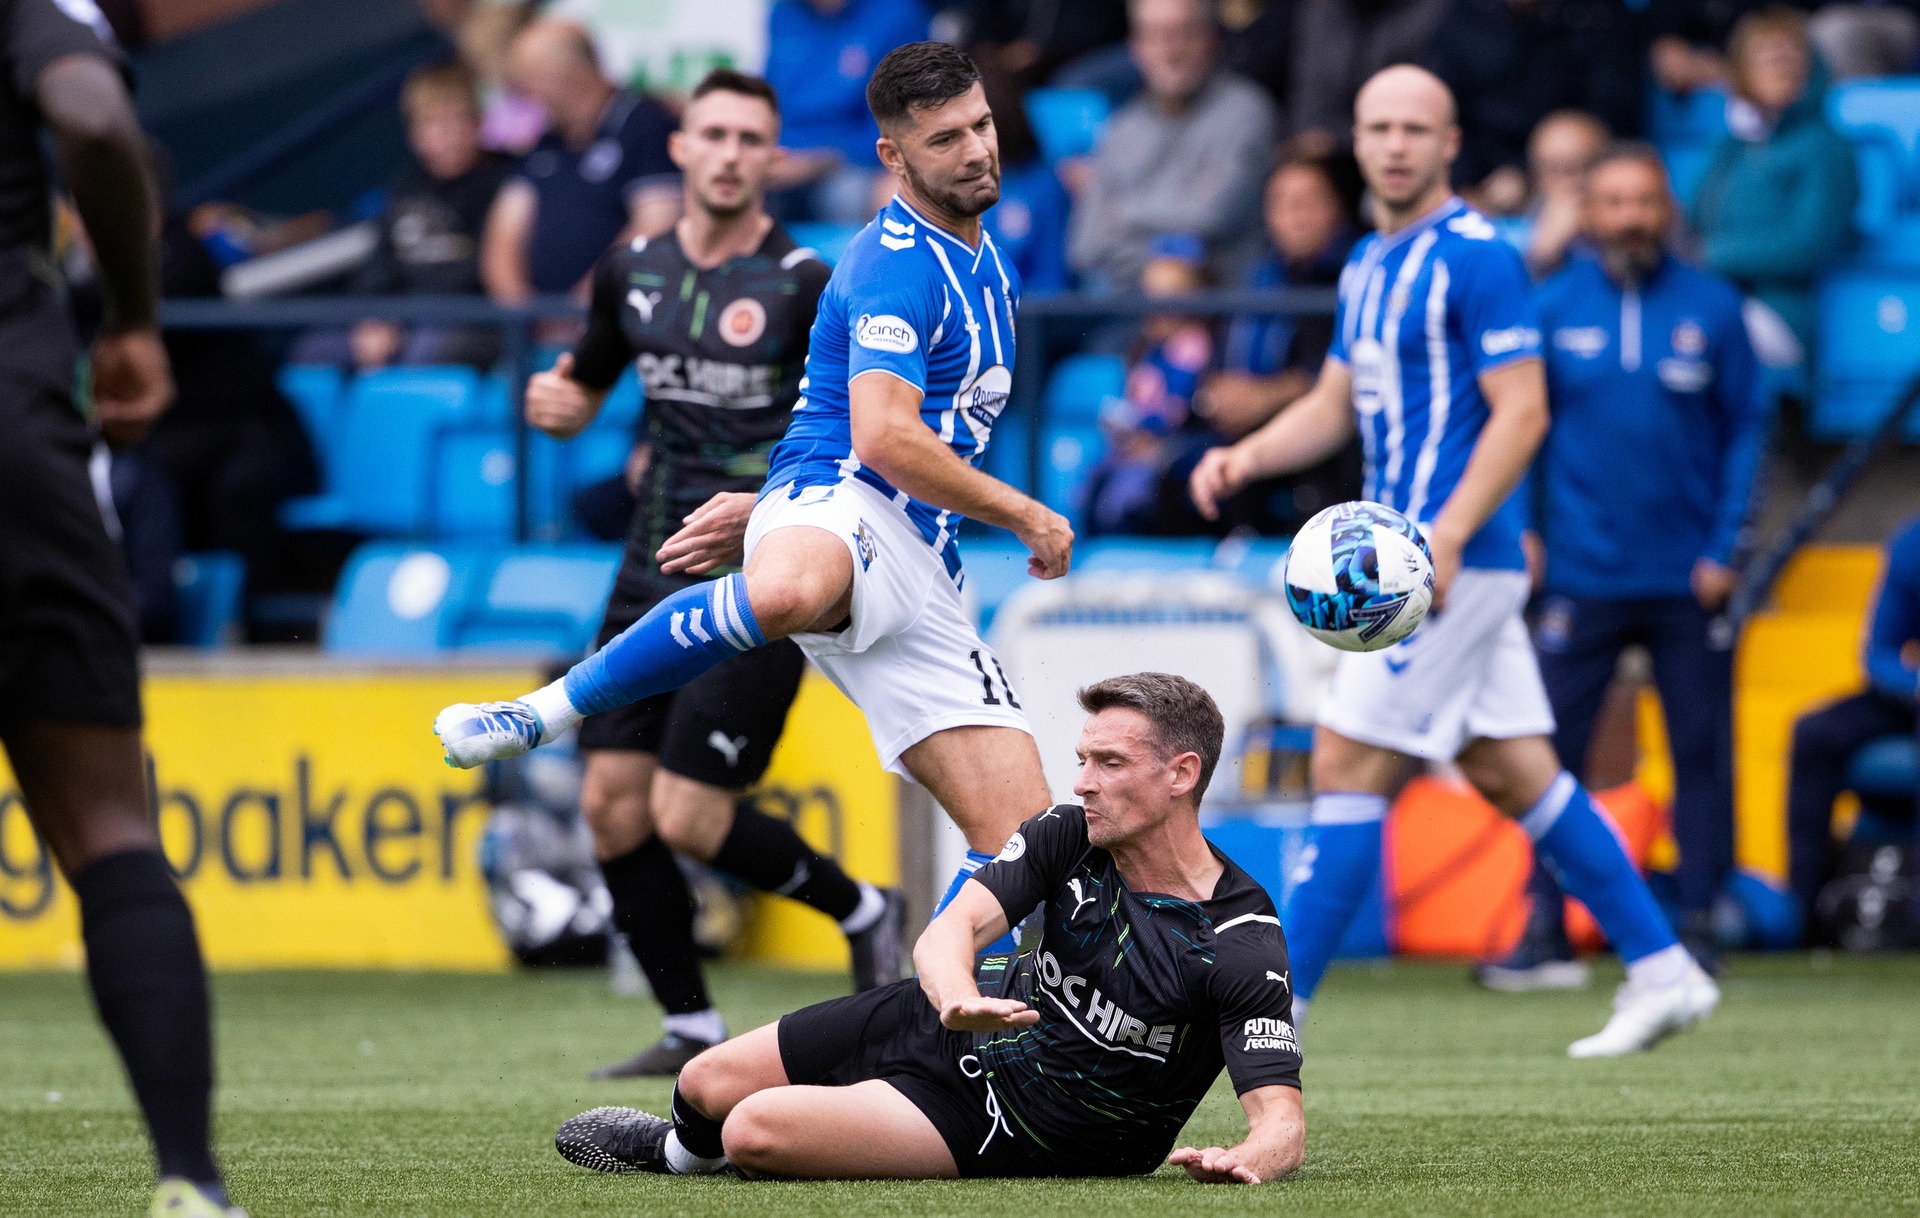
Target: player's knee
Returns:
[[703, 1084], [617, 817], [753, 1136]]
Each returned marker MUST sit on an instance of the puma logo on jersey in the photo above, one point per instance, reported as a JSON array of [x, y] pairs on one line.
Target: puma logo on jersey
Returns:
[[1078, 900], [730, 749], [1273, 976], [643, 303]]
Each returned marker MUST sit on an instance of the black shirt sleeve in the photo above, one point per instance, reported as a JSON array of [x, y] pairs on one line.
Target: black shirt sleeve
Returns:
[[1252, 991], [1037, 860], [40, 31], [813, 275], [604, 352]]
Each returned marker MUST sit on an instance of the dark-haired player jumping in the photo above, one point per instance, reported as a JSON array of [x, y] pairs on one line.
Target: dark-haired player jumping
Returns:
[[715, 316], [69, 647], [1160, 962], [852, 548]]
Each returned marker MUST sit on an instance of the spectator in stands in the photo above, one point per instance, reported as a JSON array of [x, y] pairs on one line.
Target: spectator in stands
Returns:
[[1063, 42], [1337, 45], [1268, 361], [1144, 427], [1775, 207], [1256, 41], [819, 56], [1560, 152], [1689, 40], [1870, 39], [1640, 491], [1510, 63], [1029, 223], [1825, 740], [1187, 156], [600, 174], [429, 232]]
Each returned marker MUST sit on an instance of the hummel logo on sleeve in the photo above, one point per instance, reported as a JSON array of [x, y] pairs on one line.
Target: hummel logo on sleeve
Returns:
[[896, 236]]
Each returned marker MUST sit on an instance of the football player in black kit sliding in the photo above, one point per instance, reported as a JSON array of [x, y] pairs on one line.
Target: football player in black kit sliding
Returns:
[[69, 648], [1160, 962], [715, 316]]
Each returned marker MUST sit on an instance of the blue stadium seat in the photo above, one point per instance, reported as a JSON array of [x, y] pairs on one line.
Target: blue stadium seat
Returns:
[[1686, 166], [386, 454], [996, 568], [827, 240], [1882, 189], [547, 599], [1868, 325], [1697, 118], [1067, 122], [594, 455], [399, 600], [1145, 554], [1079, 384], [624, 403], [207, 592], [473, 484], [1889, 768], [1894, 247], [315, 391], [1889, 105], [1006, 457], [1069, 453]]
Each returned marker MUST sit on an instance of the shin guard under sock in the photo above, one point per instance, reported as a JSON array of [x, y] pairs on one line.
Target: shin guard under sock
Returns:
[[1586, 857], [681, 637], [766, 852], [150, 986], [1005, 945], [654, 908], [1342, 859]]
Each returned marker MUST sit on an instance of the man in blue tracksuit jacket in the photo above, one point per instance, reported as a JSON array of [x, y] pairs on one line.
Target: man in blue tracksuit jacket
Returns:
[[1639, 496], [1824, 741]]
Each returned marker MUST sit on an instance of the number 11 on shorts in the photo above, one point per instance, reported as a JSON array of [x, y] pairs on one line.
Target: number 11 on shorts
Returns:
[[986, 681]]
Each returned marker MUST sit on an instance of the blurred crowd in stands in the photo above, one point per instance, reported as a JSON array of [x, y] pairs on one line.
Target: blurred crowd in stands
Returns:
[[1222, 160]]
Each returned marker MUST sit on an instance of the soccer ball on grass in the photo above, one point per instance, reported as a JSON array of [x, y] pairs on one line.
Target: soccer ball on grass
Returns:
[[1359, 576]]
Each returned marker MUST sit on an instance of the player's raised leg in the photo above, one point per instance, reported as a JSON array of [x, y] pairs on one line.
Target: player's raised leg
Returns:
[[1665, 990]]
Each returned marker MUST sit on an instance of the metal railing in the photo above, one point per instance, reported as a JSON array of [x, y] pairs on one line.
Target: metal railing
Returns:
[[517, 325]]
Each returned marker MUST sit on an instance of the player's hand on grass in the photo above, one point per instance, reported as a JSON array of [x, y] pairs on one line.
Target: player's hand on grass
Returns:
[[557, 404], [1213, 1166], [1219, 475], [714, 535], [132, 382], [1050, 538], [979, 1014]]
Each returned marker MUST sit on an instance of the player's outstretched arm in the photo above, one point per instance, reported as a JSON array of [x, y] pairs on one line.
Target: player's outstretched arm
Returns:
[[944, 958], [1304, 434], [1276, 1142], [891, 440], [1516, 395], [559, 405]]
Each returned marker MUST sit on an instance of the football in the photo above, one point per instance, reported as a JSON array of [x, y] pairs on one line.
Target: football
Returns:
[[1359, 576]]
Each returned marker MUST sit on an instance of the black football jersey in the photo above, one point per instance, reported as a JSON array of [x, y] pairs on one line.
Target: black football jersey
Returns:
[[1142, 997], [720, 352]]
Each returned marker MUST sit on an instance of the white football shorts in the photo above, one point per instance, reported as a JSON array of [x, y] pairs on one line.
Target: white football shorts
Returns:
[[1465, 673], [911, 659]]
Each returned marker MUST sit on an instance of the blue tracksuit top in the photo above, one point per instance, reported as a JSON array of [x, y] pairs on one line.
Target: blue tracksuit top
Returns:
[[1659, 416], [1896, 618], [819, 65]]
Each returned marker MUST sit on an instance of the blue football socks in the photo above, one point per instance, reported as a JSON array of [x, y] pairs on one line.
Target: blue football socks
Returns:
[[1583, 853], [1006, 944], [681, 637], [1326, 889]]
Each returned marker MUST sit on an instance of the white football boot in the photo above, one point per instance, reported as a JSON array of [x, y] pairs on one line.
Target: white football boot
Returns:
[[1643, 1015], [492, 731]]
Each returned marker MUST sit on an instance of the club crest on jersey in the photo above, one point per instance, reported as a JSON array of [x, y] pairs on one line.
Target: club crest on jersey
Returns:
[[863, 541], [1689, 339], [885, 333], [743, 322]]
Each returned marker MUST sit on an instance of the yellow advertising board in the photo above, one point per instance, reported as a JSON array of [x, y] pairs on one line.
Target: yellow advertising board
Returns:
[[312, 822]]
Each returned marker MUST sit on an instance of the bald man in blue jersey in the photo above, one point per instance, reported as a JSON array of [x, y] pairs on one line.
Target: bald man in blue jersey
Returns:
[[852, 548], [1436, 360]]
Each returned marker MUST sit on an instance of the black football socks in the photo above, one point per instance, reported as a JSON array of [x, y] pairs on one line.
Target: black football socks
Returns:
[[150, 986], [653, 907], [766, 852]]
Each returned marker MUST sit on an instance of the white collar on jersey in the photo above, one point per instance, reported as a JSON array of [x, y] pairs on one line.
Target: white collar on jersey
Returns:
[[1446, 211], [938, 231]]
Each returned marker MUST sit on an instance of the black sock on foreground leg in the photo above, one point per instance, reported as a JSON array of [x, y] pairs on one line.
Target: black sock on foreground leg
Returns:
[[766, 852], [654, 908], [150, 987], [699, 1133]]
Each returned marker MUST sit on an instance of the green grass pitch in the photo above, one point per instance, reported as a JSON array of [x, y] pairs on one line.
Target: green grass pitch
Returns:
[[368, 1093]]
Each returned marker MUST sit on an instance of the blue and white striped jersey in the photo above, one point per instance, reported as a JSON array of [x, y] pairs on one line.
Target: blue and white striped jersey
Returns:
[[912, 300], [1422, 314]]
